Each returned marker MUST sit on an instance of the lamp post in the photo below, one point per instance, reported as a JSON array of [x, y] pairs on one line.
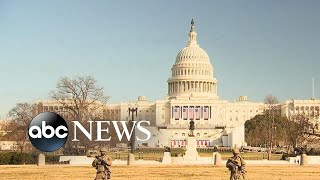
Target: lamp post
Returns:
[[134, 112]]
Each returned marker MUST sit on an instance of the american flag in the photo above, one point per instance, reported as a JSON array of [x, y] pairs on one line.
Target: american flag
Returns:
[[177, 112], [191, 114], [206, 113], [185, 112], [197, 112]]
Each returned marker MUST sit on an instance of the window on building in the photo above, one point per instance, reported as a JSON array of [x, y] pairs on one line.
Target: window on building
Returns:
[[198, 134], [205, 134], [183, 134]]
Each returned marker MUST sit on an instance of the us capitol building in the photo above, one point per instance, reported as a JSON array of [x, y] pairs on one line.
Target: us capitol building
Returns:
[[193, 95]]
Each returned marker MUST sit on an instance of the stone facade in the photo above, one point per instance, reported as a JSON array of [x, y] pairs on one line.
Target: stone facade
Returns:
[[192, 95]]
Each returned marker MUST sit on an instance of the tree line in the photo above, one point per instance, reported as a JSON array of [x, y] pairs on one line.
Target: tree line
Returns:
[[83, 99], [270, 129]]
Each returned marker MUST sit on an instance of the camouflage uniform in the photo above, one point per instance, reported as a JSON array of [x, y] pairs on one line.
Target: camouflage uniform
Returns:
[[236, 165], [102, 164]]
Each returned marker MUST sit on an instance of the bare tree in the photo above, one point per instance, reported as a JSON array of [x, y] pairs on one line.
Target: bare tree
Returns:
[[271, 102], [21, 116], [80, 95], [4, 126], [83, 98], [301, 131]]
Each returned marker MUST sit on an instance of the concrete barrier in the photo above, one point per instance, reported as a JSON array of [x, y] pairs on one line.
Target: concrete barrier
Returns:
[[41, 160], [217, 159], [304, 160], [166, 158]]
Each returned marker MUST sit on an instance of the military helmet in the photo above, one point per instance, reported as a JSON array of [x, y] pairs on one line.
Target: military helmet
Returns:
[[103, 149], [235, 151]]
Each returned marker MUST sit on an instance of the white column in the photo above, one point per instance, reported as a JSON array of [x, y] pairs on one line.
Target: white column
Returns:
[[184, 86], [192, 82], [177, 91], [197, 86], [171, 87]]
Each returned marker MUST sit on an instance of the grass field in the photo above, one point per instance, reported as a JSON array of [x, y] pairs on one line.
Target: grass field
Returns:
[[157, 172]]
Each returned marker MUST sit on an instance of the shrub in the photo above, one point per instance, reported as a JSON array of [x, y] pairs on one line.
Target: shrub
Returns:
[[17, 158], [287, 155], [51, 159]]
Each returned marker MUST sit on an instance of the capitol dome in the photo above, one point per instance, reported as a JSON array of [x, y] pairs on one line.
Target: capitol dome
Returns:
[[192, 53], [192, 73]]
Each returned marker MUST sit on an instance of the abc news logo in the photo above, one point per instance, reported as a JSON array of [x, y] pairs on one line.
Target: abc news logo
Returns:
[[48, 131]]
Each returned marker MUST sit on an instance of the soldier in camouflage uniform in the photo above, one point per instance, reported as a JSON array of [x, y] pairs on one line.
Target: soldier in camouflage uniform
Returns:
[[102, 163], [236, 165]]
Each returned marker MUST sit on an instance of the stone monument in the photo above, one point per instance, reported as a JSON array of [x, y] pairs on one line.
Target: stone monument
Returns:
[[191, 153], [304, 160], [41, 160], [217, 159], [166, 159], [131, 159]]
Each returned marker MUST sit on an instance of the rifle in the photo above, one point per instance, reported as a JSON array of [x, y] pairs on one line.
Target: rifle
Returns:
[[102, 162], [235, 167]]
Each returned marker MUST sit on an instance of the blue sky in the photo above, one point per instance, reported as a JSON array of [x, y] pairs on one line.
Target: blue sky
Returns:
[[256, 47]]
